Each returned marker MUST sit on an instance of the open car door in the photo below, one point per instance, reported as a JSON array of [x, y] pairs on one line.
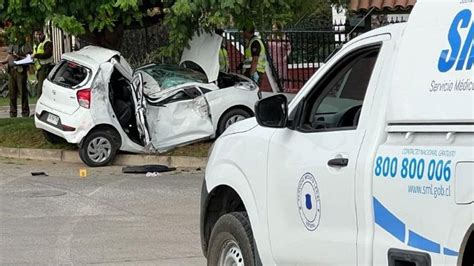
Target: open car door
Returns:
[[178, 119], [140, 109]]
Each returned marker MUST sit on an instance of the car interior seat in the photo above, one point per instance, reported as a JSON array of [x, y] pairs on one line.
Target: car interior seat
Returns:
[[122, 101]]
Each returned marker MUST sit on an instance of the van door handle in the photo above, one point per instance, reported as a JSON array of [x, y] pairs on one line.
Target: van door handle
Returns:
[[338, 162]]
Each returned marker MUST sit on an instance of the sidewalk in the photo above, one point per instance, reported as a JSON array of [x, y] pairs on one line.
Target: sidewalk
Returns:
[[5, 111], [121, 159]]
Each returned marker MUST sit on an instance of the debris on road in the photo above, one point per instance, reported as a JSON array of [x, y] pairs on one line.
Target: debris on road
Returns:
[[152, 174], [144, 169], [39, 174]]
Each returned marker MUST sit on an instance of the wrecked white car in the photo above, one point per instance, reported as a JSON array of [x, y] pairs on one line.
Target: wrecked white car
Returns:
[[94, 99]]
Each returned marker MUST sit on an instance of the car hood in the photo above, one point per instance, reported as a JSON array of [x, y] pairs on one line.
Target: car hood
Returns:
[[203, 50]]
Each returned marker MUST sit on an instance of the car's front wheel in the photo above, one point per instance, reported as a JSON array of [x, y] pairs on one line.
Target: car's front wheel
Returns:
[[99, 148], [231, 241]]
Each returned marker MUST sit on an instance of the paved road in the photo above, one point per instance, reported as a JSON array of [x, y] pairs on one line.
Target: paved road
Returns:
[[106, 218]]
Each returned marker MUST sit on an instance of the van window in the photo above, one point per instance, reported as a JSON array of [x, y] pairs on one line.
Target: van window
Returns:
[[336, 101], [69, 74]]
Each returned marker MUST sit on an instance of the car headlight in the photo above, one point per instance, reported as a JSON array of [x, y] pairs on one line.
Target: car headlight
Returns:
[[246, 85]]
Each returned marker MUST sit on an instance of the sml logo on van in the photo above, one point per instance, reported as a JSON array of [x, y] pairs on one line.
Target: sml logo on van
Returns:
[[461, 51]]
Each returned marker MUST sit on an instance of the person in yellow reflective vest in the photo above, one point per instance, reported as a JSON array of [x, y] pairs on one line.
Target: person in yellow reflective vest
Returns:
[[223, 54], [43, 59], [223, 60], [255, 59]]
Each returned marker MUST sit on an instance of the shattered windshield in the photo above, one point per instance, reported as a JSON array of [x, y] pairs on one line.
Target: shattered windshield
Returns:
[[167, 76]]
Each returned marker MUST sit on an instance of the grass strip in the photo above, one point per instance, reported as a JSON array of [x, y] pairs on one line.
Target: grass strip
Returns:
[[22, 133]]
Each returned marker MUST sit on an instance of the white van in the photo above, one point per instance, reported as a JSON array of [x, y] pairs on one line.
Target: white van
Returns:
[[372, 163]]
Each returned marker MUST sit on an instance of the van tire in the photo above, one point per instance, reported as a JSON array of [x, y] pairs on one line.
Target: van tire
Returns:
[[53, 139], [99, 148], [228, 118], [232, 237], [468, 256]]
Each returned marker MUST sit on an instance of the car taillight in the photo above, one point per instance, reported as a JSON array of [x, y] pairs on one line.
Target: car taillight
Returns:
[[84, 98]]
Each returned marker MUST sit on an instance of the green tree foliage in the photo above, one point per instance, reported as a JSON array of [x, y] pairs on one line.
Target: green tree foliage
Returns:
[[25, 19], [184, 17], [312, 14], [77, 17], [98, 18]]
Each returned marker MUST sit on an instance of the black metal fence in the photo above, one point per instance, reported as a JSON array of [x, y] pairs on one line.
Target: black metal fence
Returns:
[[293, 55]]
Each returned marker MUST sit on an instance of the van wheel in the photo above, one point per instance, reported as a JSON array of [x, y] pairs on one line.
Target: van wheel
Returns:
[[231, 241], [230, 117], [53, 139], [99, 148], [468, 256]]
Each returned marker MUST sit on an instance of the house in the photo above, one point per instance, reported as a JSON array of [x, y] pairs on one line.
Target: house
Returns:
[[377, 13]]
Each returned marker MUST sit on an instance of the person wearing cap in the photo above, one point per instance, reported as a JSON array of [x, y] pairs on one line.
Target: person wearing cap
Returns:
[[43, 58], [255, 59]]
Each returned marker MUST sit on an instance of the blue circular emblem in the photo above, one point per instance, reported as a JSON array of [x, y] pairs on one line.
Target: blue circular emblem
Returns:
[[309, 203]]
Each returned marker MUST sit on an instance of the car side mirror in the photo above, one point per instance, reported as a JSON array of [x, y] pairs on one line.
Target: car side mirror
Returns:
[[272, 111]]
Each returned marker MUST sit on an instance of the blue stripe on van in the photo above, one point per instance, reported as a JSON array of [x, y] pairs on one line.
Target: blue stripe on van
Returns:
[[417, 241], [390, 223], [385, 219], [450, 252]]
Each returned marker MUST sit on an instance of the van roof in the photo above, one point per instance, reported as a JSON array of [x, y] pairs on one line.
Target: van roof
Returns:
[[434, 67], [393, 29]]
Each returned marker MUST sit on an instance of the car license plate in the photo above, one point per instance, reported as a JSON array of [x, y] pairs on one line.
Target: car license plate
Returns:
[[53, 119]]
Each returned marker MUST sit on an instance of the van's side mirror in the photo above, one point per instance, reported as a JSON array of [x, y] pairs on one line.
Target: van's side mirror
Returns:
[[272, 111]]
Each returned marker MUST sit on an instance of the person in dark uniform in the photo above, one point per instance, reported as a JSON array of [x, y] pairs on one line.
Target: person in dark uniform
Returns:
[[17, 77]]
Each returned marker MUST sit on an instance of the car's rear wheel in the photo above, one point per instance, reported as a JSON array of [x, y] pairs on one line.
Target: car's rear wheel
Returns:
[[99, 148], [53, 139], [231, 241], [230, 117]]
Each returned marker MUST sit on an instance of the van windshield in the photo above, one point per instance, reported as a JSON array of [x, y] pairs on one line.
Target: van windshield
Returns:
[[69, 74]]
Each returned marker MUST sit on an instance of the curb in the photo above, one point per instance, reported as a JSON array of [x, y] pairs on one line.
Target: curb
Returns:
[[120, 159]]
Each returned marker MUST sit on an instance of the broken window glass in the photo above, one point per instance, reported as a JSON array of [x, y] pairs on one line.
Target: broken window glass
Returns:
[[162, 77]]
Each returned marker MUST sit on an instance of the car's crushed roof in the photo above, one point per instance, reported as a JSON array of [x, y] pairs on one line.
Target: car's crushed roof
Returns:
[[168, 76], [97, 54]]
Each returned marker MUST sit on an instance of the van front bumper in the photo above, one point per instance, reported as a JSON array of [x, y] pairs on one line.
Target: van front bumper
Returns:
[[202, 219]]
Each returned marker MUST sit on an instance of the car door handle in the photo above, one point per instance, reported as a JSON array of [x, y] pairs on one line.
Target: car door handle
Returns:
[[338, 162]]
